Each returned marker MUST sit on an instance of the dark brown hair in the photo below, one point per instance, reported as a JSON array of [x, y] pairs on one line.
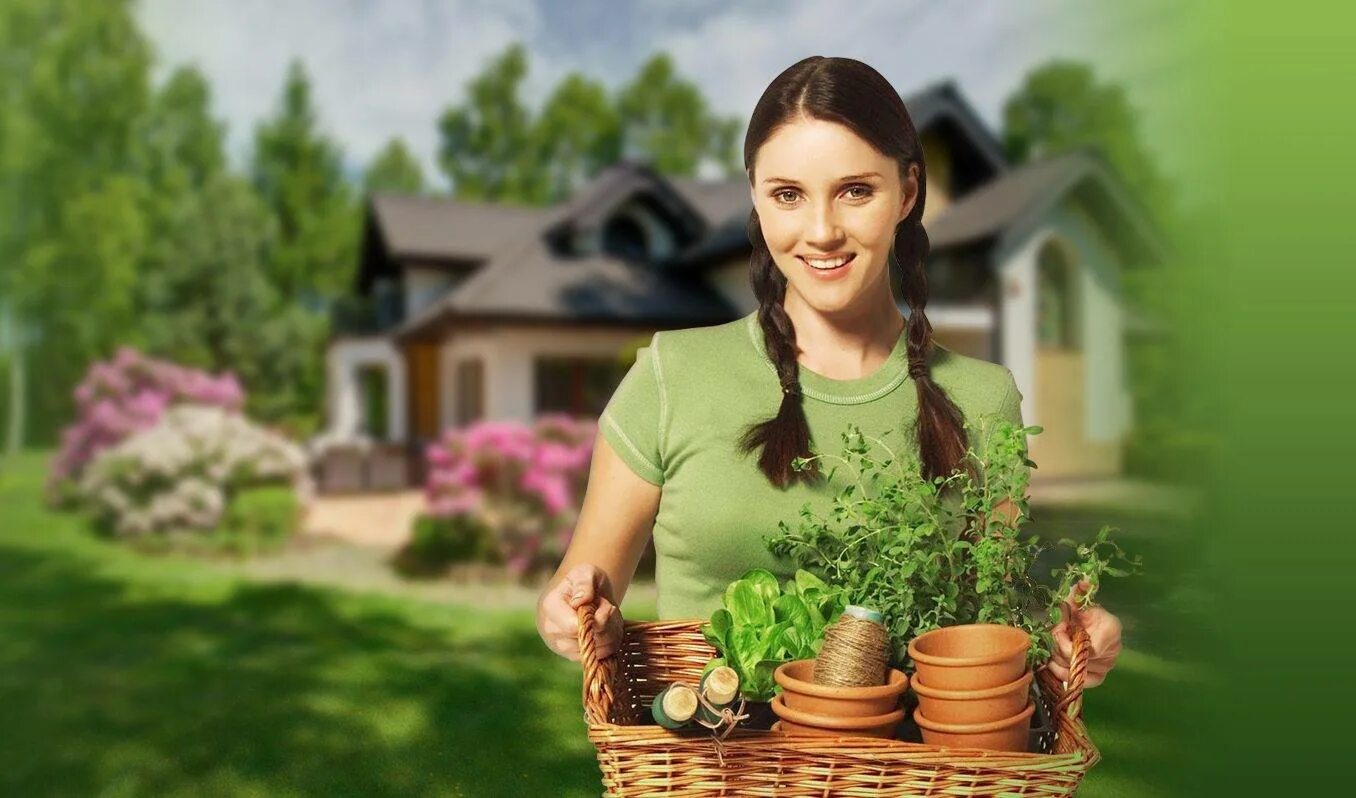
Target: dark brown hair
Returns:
[[852, 94]]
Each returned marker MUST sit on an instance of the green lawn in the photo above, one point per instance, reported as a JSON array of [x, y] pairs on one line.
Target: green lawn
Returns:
[[127, 674]]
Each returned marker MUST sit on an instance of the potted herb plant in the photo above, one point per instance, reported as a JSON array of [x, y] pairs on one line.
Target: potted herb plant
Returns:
[[939, 553]]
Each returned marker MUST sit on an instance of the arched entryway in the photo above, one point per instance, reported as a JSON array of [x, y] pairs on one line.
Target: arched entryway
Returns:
[[1061, 395]]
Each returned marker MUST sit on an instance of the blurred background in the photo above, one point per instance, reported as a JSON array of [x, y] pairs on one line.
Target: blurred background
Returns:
[[307, 311]]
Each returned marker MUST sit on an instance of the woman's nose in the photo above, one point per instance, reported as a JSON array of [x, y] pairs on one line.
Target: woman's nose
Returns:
[[823, 231]]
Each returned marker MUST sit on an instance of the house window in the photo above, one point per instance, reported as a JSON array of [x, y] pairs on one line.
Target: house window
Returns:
[[1056, 303], [579, 386], [470, 375], [625, 238]]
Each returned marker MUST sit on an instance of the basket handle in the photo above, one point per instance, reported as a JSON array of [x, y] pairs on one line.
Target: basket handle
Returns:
[[1069, 706], [598, 674]]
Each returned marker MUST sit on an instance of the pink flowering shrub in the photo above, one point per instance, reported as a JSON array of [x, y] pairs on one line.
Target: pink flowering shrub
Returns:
[[126, 395], [525, 482]]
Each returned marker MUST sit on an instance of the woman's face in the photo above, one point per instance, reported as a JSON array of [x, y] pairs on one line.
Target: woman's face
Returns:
[[828, 204]]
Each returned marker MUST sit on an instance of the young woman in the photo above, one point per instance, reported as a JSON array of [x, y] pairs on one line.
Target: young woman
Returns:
[[697, 442]]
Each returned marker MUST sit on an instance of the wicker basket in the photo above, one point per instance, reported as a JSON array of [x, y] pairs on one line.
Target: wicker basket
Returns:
[[638, 759]]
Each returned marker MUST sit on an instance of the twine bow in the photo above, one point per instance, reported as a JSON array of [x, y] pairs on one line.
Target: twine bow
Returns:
[[726, 721]]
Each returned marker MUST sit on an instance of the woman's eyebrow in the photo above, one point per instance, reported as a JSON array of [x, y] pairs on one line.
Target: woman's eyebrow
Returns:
[[844, 179]]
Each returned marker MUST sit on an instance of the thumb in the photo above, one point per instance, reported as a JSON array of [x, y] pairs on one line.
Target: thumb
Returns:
[[1069, 608], [582, 585]]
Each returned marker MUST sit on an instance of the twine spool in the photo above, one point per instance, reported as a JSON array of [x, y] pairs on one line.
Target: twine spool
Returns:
[[855, 651]]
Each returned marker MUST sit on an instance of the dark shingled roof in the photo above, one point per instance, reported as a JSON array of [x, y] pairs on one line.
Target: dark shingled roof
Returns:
[[530, 281]]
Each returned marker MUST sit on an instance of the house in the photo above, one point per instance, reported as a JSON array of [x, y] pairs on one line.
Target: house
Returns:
[[470, 310]]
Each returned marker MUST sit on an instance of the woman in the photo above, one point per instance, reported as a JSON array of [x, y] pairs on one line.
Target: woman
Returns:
[[697, 442]]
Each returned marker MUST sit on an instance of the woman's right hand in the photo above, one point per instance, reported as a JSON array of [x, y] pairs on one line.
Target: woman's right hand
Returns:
[[558, 619]]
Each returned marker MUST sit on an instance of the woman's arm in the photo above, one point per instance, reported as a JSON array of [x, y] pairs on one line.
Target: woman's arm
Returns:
[[614, 525]]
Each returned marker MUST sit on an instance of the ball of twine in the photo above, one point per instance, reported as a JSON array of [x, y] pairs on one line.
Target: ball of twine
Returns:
[[854, 654]]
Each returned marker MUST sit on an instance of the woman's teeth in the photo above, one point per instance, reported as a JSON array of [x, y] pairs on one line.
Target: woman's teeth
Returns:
[[826, 264]]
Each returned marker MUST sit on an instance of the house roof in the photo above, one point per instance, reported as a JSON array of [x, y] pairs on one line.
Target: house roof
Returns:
[[1010, 206], [530, 281], [435, 228]]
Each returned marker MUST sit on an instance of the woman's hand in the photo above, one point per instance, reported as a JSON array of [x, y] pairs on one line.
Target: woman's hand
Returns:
[[1104, 631], [558, 619]]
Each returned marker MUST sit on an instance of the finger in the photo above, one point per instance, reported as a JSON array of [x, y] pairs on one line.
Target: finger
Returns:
[[1057, 670], [559, 617], [1063, 643], [566, 647]]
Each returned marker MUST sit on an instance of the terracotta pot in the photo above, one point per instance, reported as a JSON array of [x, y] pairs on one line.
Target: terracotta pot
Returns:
[[974, 656], [797, 722], [1008, 734], [973, 706], [799, 692]]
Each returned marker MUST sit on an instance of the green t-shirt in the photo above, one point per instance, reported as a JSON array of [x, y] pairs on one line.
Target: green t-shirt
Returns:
[[676, 416]]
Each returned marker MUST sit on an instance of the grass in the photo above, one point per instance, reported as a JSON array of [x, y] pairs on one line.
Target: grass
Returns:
[[128, 674]]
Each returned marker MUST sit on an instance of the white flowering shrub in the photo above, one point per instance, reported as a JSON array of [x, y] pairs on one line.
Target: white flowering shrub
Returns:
[[182, 473]]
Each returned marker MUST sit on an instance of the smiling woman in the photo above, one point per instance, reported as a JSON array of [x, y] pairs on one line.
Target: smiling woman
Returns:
[[696, 445]]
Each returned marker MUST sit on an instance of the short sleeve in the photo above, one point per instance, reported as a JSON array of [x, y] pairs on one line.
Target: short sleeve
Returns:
[[635, 415], [1008, 408]]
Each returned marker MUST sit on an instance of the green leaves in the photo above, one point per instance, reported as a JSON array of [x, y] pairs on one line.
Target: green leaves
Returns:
[[764, 624], [930, 553]]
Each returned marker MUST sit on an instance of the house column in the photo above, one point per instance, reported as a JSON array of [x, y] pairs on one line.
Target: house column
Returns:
[[1017, 293]]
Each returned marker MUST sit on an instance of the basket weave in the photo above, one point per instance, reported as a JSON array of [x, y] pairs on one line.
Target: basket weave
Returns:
[[638, 759]]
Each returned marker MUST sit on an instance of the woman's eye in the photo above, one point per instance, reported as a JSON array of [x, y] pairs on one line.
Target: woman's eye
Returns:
[[786, 196], [865, 191]]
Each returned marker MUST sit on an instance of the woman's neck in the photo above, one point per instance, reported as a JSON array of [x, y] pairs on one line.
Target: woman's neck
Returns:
[[848, 345]]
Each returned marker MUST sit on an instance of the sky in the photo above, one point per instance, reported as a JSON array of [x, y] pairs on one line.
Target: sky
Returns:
[[386, 68]]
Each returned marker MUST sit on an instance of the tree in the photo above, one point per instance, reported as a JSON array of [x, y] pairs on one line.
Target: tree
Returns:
[[577, 134], [487, 149], [1061, 106], [298, 172], [394, 169], [492, 148], [74, 81], [666, 120], [211, 305]]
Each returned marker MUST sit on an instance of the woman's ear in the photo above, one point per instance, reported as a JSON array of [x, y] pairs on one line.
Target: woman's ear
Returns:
[[910, 190]]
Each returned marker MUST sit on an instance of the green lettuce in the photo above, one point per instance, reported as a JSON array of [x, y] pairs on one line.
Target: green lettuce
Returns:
[[764, 623]]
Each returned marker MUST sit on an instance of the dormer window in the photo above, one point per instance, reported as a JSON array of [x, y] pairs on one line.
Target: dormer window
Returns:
[[624, 237]]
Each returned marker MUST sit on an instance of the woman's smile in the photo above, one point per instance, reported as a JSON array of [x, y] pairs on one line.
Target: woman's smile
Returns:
[[829, 268]]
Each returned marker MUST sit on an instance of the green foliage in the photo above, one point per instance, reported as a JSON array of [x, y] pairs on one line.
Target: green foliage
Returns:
[[298, 172], [940, 552], [493, 147], [258, 519], [666, 119], [394, 170], [437, 543], [1061, 106], [763, 624]]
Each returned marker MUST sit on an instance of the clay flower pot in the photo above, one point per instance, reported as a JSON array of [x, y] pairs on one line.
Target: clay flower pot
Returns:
[[974, 656], [797, 722], [800, 693], [973, 706], [1008, 734]]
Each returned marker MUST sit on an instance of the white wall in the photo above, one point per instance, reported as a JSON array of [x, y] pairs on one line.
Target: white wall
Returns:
[[509, 353], [1098, 286], [343, 397]]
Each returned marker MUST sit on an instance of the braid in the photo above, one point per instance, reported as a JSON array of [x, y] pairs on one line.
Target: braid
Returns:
[[940, 428], [786, 435]]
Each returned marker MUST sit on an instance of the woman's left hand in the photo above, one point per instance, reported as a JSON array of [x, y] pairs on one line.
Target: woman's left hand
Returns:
[[1104, 630]]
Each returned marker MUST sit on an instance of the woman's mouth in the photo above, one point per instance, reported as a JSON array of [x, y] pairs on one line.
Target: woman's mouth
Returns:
[[825, 268]]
